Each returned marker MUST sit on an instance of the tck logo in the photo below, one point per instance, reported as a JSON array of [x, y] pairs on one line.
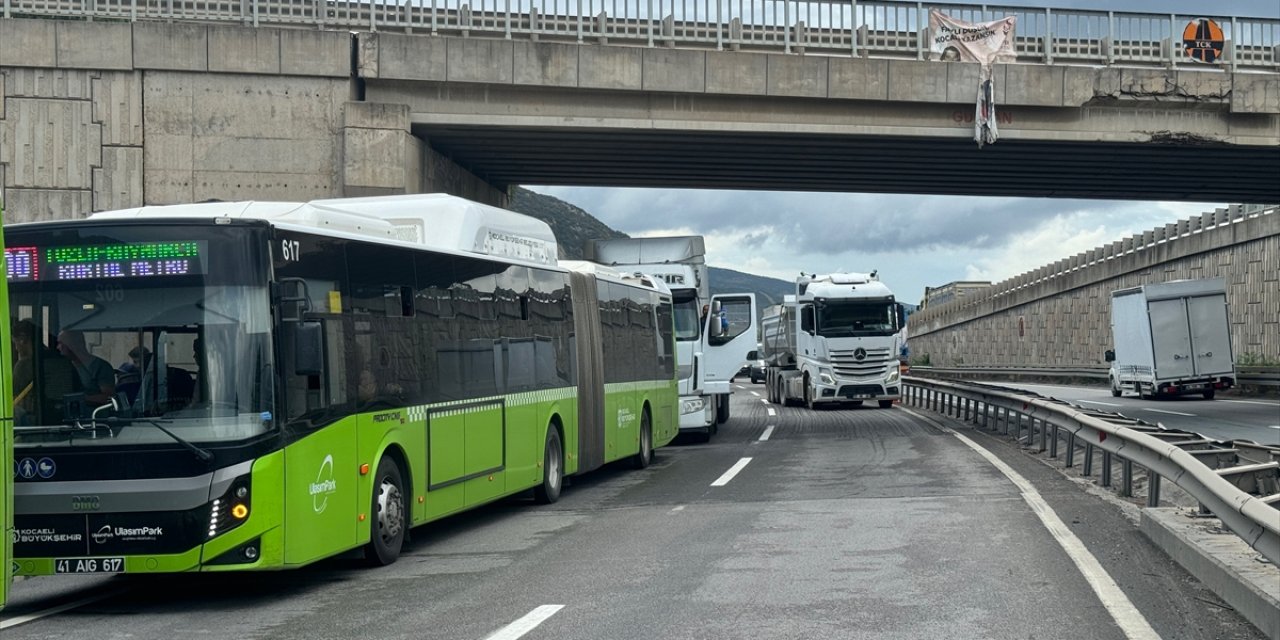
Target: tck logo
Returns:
[[324, 486]]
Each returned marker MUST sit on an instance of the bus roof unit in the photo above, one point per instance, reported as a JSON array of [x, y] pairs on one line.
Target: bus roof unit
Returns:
[[433, 220]]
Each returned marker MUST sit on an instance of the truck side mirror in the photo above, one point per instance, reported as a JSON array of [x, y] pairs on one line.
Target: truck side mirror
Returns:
[[753, 355], [1109, 355], [902, 314], [308, 349]]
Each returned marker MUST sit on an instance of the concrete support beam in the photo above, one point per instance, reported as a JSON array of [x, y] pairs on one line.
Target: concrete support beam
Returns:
[[737, 73], [244, 50], [480, 60], [95, 45], [797, 76], [610, 68], [172, 47], [858, 79], [545, 64], [675, 70], [315, 53], [28, 43]]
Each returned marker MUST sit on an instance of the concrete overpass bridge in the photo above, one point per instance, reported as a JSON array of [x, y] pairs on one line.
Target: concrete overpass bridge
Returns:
[[164, 102]]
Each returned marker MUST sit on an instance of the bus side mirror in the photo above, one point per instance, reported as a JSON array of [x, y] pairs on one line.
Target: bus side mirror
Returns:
[[293, 298], [1110, 355], [308, 349]]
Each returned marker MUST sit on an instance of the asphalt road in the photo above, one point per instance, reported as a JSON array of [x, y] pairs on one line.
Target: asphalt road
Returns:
[[1226, 417], [859, 523]]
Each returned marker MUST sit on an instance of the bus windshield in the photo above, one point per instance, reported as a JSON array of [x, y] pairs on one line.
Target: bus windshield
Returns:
[[188, 351], [848, 318]]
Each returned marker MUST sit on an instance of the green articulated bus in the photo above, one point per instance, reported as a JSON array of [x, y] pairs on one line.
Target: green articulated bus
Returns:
[[255, 385]]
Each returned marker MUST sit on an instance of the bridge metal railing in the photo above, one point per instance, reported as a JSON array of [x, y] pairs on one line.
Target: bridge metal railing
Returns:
[[875, 28], [1245, 375], [1236, 481]]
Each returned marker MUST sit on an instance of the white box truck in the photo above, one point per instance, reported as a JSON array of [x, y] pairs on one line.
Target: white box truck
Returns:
[[837, 340], [1171, 339], [713, 333]]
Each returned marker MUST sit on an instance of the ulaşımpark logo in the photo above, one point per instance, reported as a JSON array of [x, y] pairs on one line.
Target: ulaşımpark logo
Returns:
[[324, 486]]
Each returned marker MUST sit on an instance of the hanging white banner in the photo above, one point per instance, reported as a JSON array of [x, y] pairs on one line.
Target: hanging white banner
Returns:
[[960, 41]]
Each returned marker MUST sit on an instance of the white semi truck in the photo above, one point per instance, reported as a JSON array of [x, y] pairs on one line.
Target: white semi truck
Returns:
[[837, 340], [713, 333], [1171, 339]]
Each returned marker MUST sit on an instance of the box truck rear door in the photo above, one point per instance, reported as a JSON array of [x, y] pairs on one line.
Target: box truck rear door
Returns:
[[1210, 335], [1171, 338]]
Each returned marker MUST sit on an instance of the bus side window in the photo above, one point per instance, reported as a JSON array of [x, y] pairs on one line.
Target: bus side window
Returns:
[[317, 273]]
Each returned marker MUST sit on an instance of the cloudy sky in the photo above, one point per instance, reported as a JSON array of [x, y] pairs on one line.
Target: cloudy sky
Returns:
[[914, 241]]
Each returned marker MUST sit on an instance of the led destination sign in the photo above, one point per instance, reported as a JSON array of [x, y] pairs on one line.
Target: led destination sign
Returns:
[[105, 262]]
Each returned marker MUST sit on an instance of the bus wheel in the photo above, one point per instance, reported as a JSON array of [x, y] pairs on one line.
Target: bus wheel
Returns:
[[552, 469], [645, 456], [389, 521]]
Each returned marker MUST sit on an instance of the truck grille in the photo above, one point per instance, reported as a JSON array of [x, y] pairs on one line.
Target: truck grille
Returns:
[[847, 364]]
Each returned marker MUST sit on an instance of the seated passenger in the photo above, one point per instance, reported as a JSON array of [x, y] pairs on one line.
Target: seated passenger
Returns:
[[97, 379]]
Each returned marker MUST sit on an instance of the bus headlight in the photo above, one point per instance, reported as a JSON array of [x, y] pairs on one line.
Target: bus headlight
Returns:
[[692, 405], [231, 509]]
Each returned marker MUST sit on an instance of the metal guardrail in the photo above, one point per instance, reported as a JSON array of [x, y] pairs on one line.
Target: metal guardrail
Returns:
[[850, 27], [1236, 481], [1255, 376]]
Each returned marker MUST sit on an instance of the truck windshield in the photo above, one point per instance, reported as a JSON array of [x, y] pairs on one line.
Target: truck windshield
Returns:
[[167, 340], [687, 314], [844, 318]]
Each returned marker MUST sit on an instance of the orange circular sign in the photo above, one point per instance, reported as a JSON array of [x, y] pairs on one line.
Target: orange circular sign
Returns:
[[1203, 40]]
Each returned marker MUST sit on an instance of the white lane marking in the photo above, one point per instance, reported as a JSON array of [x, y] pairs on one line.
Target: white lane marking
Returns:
[[738, 386], [764, 401], [772, 412], [755, 394], [1106, 404], [733, 471], [1267, 404], [528, 623], [1113, 599], [13, 622], [768, 431], [1274, 426], [679, 508], [1176, 413]]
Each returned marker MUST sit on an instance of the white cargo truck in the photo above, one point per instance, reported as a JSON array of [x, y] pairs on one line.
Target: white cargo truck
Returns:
[[713, 333], [837, 340], [1171, 339]]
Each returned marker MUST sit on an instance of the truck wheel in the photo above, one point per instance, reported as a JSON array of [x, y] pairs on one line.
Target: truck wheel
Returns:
[[722, 408], [808, 396], [856, 403], [886, 404], [1208, 395], [1115, 389], [552, 469], [387, 530]]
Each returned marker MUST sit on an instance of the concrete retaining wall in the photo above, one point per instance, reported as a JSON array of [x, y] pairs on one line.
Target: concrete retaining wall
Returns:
[[1060, 315], [98, 116]]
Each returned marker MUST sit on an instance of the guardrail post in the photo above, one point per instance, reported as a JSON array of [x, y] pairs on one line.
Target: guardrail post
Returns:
[[1053, 442], [1106, 468], [1071, 449], [1044, 436], [853, 27], [1004, 422], [786, 26], [1048, 36], [966, 402], [1086, 469], [1126, 477], [1153, 488]]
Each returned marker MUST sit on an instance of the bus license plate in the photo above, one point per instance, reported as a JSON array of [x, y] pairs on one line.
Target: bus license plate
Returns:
[[88, 565]]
